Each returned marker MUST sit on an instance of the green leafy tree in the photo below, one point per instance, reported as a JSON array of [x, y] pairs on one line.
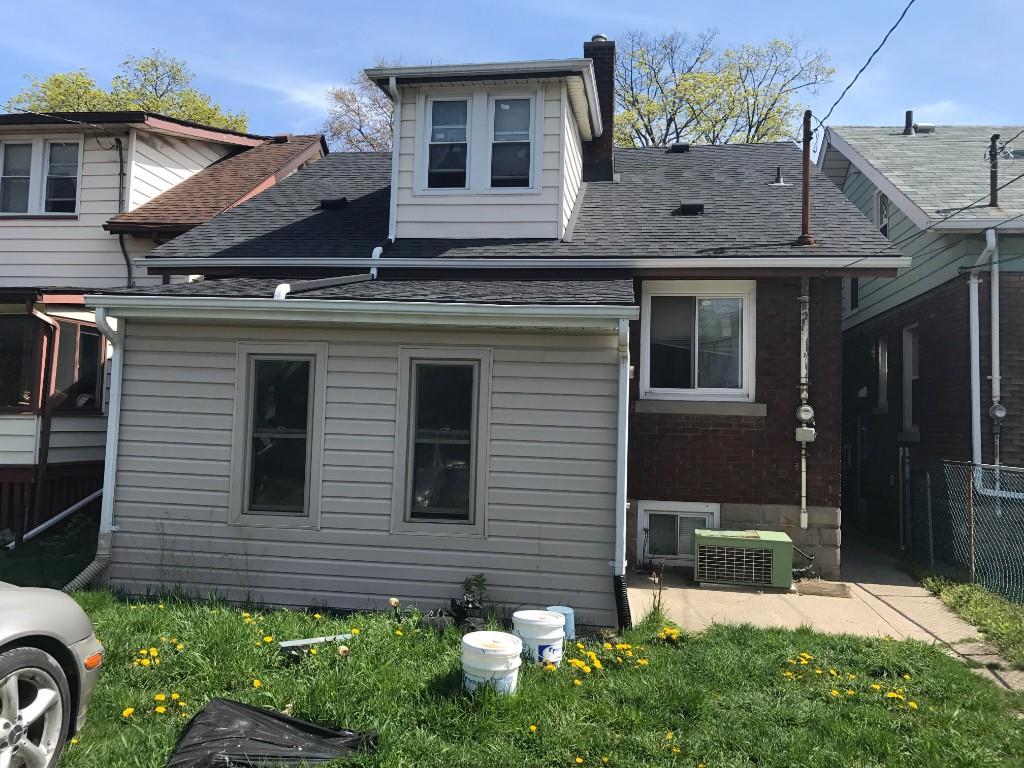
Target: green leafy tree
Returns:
[[673, 87], [154, 83]]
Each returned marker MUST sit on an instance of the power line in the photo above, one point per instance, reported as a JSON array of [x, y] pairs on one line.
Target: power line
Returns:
[[1010, 141], [866, 63], [54, 116]]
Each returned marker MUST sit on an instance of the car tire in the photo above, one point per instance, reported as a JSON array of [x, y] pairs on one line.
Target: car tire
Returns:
[[37, 678]]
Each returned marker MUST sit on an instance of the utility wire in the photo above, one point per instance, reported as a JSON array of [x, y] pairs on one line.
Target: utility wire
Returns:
[[53, 116], [866, 64], [1010, 141]]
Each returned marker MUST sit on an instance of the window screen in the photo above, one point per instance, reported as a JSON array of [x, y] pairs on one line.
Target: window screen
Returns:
[[15, 173], [448, 146], [510, 150], [62, 177]]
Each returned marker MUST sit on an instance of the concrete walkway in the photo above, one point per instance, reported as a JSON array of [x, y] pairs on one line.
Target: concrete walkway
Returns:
[[875, 598]]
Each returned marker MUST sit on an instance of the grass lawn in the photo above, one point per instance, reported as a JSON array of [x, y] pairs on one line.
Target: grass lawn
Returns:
[[722, 698], [56, 556], [1000, 620]]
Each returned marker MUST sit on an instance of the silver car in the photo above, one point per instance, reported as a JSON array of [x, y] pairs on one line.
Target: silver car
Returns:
[[49, 661]]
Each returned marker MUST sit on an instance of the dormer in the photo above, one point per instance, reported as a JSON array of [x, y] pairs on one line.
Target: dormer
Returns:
[[497, 150]]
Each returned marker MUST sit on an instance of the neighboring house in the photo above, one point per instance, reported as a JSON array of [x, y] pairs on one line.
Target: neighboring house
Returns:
[[907, 340], [403, 370], [81, 194]]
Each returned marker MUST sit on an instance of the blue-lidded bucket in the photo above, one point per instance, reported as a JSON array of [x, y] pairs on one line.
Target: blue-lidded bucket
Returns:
[[570, 619]]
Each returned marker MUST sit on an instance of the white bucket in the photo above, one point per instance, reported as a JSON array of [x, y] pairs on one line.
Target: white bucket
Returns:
[[542, 633], [491, 657]]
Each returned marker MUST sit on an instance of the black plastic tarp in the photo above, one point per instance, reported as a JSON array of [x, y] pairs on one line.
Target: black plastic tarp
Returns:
[[227, 733]]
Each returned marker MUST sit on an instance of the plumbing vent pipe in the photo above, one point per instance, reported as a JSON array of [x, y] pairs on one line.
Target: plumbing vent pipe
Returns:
[[993, 171], [805, 217], [908, 125]]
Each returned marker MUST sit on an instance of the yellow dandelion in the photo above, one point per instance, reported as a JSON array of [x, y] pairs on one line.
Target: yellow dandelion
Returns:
[[256, 683], [676, 749], [876, 686], [246, 614], [268, 639], [851, 676], [607, 647], [160, 697], [175, 696], [128, 712], [161, 606], [160, 710], [154, 652], [817, 672], [586, 669], [906, 677], [581, 646], [157, 662], [577, 681], [642, 662], [787, 673], [144, 652], [399, 632], [74, 740], [597, 664], [313, 651], [912, 704], [791, 661], [835, 692], [533, 729], [579, 761], [355, 630], [550, 667], [850, 692], [833, 673], [179, 647], [248, 620], [184, 714], [182, 704], [618, 659], [629, 653], [145, 662], [317, 616], [669, 736], [604, 759], [803, 661]]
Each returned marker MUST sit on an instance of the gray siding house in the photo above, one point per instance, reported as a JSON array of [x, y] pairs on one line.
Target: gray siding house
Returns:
[[401, 370]]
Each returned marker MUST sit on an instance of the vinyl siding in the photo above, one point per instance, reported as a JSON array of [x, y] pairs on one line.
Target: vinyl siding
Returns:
[[530, 215], [572, 174], [160, 162], [550, 479], [77, 438], [18, 439]]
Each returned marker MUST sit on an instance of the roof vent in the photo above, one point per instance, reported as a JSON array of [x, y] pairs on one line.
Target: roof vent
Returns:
[[689, 208], [779, 180], [908, 125], [679, 146], [924, 127], [334, 204], [599, 38], [282, 138]]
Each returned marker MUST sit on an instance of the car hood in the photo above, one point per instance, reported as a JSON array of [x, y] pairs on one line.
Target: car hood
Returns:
[[28, 611]]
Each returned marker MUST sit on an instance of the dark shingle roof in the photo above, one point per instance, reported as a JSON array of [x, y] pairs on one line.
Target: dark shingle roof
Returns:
[[215, 188], [558, 292], [745, 214]]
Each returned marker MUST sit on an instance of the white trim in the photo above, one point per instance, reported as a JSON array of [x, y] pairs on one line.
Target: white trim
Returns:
[[481, 359], [245, 355], [38, 167], [396, 151], [621, 453], [570, 316], [856, 263], [710, 511], [742, 289]]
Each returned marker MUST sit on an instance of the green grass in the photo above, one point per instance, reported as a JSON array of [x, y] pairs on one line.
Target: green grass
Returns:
[[1001, 621], [722, 694], [56, 556]]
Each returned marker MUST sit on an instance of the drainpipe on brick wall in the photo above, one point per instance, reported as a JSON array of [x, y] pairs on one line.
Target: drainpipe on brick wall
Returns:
[[804, 414], [621, 448]]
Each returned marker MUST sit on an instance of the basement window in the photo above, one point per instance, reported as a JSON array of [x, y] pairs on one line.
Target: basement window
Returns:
[[697, 340], [278, 434], [442, 436]]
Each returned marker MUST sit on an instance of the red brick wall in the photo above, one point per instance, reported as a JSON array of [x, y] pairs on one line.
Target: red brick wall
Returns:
[[1011, 364], [681, 457]]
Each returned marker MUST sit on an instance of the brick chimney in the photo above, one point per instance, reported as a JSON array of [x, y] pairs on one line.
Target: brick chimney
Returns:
[[598, 160]]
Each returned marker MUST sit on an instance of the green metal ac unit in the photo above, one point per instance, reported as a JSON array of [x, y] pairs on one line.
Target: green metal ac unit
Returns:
[[752, 558]]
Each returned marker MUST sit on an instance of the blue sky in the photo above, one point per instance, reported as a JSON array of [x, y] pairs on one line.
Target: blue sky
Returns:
[[952, 61]]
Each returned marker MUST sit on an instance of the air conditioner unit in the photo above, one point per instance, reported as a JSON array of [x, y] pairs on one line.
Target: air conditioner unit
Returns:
[[751, 558], [666, 530]]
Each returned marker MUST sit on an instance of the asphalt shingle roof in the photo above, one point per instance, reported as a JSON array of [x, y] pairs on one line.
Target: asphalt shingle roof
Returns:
[[437, 291], [745, 214], [942, 171], [214, 189]]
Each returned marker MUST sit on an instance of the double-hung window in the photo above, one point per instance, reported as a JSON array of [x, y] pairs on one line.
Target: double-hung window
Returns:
[[511, 147], [697, 340], [79, 374], [442, 434], [39, 176], [448, 144], [278, 433]]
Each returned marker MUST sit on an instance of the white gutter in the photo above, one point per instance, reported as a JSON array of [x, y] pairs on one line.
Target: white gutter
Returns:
[[116, 339], [720, 262], [378, 313], [396, 142], [621, 452]]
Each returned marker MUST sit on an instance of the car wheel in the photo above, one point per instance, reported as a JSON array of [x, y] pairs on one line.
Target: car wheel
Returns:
[[34, 709]]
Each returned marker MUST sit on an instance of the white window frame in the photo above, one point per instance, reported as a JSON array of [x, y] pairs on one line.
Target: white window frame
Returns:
[[246, 353], [480, 120], [492, 99], [882, 371], [701, 289], [711, 511], [401, 522], [911, 373], [879, 221], [428, 130], [38, 170]]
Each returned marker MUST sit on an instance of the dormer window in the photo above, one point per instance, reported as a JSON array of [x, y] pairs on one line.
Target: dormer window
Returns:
[[510, 147], [448, 144]]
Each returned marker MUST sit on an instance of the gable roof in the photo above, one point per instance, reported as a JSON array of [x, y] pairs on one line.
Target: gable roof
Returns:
[[747, 220], [219, 186], [932, 175], [152, 120]]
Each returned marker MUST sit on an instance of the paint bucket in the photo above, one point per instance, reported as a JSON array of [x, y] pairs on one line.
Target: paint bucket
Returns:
[[542, 633], [491, 658], [570, 619]]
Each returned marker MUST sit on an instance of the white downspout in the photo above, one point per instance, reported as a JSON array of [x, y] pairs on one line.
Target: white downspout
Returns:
[[805, 386], [992, 245], [396, 146], [621, 448], [975, 331], [103, 543], [375, 255]]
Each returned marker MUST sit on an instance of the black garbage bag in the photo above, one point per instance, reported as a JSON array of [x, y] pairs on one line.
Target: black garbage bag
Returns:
[[226, 733]]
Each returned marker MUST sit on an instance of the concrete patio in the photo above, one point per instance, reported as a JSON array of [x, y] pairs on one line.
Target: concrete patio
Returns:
[[874, 598]]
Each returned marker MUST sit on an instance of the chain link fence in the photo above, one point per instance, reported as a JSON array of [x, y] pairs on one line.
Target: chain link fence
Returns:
[[966, 521]]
